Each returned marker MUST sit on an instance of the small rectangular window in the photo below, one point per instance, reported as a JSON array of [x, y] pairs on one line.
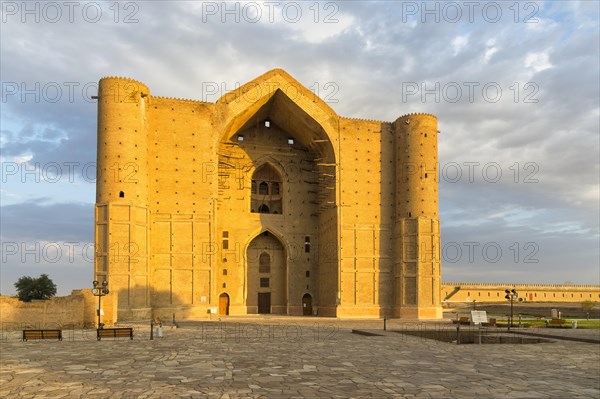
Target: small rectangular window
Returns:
[[225, 244], [307, 273], [264, 283], [225, 234]]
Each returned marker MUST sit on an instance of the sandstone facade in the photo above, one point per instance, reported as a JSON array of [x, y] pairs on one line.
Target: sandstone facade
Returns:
[[490, 292], [266, 201]]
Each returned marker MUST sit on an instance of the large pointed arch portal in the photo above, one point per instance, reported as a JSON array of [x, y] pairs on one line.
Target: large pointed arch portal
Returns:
[[285, 138]]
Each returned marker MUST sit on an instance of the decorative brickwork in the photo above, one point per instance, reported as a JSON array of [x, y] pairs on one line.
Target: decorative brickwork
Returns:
[[346, 209]]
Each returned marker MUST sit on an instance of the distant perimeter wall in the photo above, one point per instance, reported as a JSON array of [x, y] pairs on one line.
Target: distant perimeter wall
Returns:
[[490, 292], [77, 310]]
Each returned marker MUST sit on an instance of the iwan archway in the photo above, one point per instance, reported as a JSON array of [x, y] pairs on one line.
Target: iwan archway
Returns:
[[279, 139]]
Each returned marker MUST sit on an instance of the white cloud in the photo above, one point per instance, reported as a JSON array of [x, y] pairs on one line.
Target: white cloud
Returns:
[[538, 61], [459, 43], [489, 53], [369, 53], [308, 22]]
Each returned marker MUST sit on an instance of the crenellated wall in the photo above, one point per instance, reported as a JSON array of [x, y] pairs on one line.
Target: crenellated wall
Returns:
[[491, 292]]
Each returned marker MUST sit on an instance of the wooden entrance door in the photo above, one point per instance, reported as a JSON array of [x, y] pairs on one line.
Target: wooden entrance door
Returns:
[[264, 302], [307, 305], [224, 304]]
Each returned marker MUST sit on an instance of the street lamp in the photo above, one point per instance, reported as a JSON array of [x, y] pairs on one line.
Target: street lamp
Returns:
[[99, 290], [512, 296]]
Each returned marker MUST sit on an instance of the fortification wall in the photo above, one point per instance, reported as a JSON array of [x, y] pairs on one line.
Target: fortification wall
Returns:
[[494, 292], [76, 310]]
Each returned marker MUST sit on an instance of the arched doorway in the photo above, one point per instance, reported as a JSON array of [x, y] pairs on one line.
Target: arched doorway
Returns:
[[266, 275], [224, 304], [307, 305]]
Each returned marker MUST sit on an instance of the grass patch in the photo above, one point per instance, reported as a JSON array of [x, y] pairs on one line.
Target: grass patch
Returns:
[[587, 323], [540, 323]]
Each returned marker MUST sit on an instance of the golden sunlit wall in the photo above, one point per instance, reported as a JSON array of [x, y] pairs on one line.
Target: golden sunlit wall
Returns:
[[469, 292], [266, 201]]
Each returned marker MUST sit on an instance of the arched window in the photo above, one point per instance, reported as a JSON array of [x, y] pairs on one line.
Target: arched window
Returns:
[[263, 188], [266, 190], [264, 263]]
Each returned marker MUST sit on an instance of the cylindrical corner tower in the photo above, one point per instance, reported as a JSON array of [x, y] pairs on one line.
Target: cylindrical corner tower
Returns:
[[122, 191], [122, 144], [417, 227]]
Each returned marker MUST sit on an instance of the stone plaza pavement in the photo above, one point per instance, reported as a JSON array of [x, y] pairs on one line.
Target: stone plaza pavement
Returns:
[[292, 358]]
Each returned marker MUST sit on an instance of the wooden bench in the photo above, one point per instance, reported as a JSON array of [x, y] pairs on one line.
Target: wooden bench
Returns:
[[114, 333], [491, 323], [42, 334], [462, 320], [556, 323]]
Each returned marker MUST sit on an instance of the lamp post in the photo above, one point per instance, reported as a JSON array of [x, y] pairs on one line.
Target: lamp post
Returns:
[[512, 296], [99, 290]]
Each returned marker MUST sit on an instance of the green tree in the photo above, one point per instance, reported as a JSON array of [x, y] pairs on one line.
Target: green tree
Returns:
[[29, 288]]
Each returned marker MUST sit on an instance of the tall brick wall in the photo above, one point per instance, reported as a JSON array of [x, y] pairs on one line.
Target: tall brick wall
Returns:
[[76, 310], [468, 292], [175, 224]]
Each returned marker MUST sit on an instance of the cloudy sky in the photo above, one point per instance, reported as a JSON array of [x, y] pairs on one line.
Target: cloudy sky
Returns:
[[515, 87]]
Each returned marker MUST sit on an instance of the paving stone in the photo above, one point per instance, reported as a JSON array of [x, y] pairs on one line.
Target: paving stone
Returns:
[[188, 364]]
